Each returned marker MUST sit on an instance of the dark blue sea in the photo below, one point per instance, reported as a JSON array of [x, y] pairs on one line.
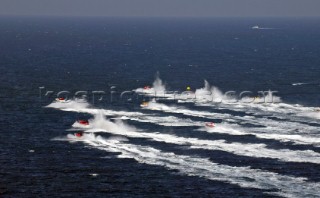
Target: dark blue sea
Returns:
[[258, 149]]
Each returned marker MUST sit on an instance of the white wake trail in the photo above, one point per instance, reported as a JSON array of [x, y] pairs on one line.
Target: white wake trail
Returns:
[[194, 166], [101, 124], [287, 133], [290, 131]]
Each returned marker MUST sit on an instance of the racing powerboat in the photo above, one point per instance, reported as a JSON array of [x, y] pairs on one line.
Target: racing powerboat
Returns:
[[144, 104], [61, 99], [78, 134], [83, 122], [210, 124]]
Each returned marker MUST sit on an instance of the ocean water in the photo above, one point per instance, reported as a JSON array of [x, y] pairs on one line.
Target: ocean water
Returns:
[[164, 149]]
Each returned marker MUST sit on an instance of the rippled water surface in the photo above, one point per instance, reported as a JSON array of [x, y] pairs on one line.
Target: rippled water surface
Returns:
[[163, 149]]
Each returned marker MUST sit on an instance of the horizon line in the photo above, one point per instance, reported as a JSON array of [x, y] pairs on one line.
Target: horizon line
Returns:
[[135, 16]]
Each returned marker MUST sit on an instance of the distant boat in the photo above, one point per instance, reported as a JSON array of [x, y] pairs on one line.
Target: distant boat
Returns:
[[261, 28], [83, 122], [210, 124], [144, 104], [61, 99]]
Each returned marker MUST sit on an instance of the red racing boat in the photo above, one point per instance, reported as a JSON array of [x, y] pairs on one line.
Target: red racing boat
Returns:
[[83, 122], [61, 99], [210, 124], [79, 134]]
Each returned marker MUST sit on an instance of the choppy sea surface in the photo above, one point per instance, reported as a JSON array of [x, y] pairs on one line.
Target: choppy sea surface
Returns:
[[163, 148]]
